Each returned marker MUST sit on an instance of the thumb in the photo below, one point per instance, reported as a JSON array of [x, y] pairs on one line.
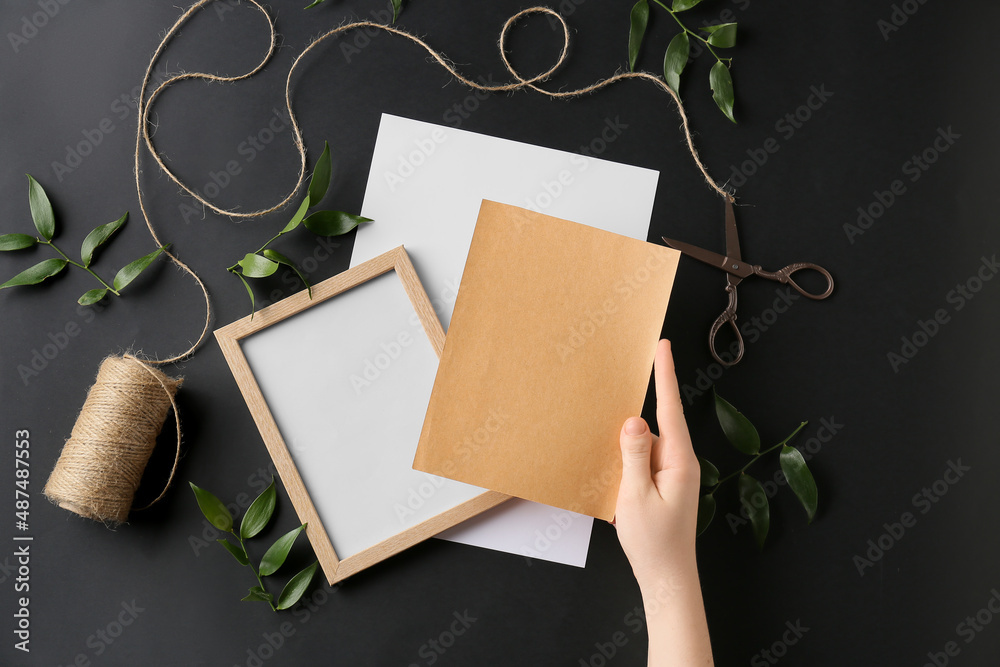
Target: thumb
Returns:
[[636, 443]]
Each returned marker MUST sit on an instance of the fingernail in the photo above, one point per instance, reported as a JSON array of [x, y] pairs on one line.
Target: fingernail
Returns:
[[635, 426]]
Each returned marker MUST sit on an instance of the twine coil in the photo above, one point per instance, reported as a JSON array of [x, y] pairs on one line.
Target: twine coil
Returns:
[[102, 463]]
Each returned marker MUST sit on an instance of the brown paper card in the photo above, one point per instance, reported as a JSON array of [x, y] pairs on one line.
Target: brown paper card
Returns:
[[549, 351]]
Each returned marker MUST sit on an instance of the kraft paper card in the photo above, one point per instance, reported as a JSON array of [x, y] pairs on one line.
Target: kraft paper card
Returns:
[[550, 349]]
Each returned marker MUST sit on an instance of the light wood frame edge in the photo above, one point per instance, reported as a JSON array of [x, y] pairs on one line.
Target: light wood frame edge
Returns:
[[229, 337]]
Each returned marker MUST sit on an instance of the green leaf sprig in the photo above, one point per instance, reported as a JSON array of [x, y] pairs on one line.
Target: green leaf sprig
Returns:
[[45, 223], [397, 7], [264, 261], [256, 518], [720, 36], [743, 436]]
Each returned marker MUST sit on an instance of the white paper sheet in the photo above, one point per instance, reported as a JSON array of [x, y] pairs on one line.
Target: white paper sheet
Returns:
[[424, 191]]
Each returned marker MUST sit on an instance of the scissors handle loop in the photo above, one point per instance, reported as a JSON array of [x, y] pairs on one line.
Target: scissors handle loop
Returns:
[[728, 316], [784, 276]]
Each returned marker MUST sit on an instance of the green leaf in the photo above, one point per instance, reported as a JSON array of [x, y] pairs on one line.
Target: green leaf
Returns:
[[722, 88], [257, 594], [297, 218], [98, 236], [675, 60], [754, 501], [333, 223], [296, 587], [276, 256], [275, 556], [800, 479], [321, 176], [249, 291], [217, 514], [237, 552], [709, 473], [259, 512], [637, 30], [131, 271], [314, 3], [41, 209], [37, 273], [683, 5], [706, 512], [255, 266], [91, 297], [722, 35], [16, 241], [397, 9], [738, 429]]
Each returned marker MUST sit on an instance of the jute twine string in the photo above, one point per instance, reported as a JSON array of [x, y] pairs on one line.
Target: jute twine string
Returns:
[[145, 104], [102, 463]]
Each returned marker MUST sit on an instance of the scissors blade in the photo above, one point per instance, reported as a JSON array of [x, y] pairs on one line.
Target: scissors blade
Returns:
[[732, 236], [700, 254], [727, 264]]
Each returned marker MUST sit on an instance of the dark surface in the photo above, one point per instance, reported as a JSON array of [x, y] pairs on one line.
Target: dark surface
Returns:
[[896, 431]]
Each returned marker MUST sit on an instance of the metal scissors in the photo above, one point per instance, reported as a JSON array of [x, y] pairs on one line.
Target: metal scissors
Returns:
[[732, 263]]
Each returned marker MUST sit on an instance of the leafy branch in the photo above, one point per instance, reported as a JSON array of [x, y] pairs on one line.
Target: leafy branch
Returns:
[[744, 437], [45, 223], [720, 36], [397, 7], [256, 518], [264, 261]]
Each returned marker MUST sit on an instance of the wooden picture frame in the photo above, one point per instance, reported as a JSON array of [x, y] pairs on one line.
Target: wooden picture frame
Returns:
[[316, 451]]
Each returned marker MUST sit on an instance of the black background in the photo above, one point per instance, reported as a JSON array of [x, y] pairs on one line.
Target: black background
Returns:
[[896, 430]]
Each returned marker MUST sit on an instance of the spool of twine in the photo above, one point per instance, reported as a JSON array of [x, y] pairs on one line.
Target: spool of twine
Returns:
[[102, 463]]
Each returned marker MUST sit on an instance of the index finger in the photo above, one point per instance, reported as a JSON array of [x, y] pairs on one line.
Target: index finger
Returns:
[[669, 408]]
